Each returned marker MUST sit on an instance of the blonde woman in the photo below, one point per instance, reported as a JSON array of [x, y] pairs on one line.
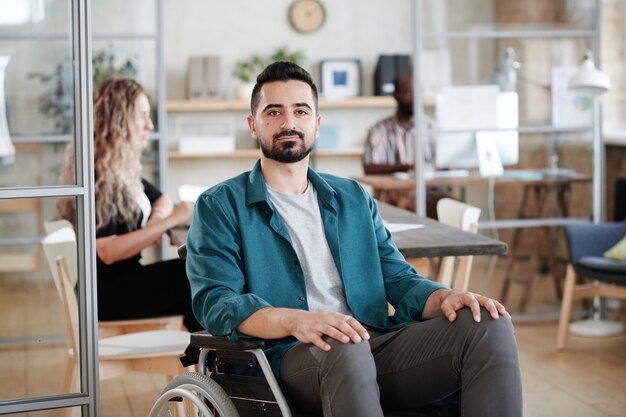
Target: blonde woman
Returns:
[[131, 213]]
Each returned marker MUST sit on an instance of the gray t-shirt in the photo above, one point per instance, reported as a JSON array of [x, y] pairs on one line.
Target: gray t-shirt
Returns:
[[301, 215]]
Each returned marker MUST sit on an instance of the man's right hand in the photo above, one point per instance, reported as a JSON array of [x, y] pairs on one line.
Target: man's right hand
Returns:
[[310, 327], [306, 326]]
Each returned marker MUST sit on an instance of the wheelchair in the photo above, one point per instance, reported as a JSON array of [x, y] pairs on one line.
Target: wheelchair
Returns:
[[215, 390], [226, 394]]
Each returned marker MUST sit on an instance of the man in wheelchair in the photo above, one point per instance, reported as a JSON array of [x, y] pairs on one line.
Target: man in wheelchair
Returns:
[[303, 260]]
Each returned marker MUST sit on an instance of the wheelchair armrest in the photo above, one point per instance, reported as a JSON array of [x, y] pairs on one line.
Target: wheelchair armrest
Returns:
[[204, 339], [182, 251]]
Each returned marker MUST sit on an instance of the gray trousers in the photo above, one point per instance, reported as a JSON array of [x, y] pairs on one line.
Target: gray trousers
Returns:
[[411, 368]]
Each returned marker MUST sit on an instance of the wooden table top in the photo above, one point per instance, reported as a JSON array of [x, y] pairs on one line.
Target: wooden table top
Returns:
[[436, 239]]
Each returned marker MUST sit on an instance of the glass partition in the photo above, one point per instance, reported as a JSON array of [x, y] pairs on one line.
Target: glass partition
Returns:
[[36, 90], [43, 107], [479, 61], [122, 17], [35, 17], [34, 331], [506, 15]]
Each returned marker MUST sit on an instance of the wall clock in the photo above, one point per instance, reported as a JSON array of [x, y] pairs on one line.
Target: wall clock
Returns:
[[307, 16]]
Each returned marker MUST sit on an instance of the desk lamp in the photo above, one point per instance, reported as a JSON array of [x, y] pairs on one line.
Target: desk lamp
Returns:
[[589, 80], [592, 82]]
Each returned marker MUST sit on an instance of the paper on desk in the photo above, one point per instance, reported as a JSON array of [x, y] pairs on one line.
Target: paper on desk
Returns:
[[190, 193], [399, 227]]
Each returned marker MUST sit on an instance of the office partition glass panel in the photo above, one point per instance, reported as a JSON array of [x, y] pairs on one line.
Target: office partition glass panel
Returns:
[[35, 164], [37, 112], [134, 58], [33, 329], [123, 17], [485, 15], [538, 70], [38, 86], [29, 17]]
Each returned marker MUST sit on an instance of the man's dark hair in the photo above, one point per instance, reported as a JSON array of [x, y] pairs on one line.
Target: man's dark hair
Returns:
[[281, 71]]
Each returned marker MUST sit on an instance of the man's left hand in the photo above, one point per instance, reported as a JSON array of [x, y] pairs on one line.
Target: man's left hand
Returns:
[[451, 301]]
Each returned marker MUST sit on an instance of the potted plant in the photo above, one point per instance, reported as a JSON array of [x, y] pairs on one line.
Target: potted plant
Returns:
[[57, 102], [246, 71]]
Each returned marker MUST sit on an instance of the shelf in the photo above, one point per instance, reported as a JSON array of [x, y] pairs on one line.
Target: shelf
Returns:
[[614, 136], [363, 102], [254, 153]]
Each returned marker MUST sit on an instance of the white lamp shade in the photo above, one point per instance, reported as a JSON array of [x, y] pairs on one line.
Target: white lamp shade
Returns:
[[589, 80]]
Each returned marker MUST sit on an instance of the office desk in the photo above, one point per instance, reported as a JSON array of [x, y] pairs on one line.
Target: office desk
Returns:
[[433, 240], [436, 239], [535, 191], [532, 211]]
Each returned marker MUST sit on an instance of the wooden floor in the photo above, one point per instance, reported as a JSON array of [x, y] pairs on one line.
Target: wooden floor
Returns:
[[588, 379]]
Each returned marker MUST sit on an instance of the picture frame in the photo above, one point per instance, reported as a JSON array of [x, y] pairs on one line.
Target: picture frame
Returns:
[[340, 78]]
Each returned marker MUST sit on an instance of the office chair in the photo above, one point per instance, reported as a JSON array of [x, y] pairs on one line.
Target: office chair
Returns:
[[106, 328], [586, 244], [465, 217], [155, 351]]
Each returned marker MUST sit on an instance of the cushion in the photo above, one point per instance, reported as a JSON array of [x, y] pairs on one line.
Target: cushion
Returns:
[[618, 251], [603, 264]]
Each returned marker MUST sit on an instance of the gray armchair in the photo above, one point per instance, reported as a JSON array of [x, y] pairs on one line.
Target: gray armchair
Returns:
[[586, 244]]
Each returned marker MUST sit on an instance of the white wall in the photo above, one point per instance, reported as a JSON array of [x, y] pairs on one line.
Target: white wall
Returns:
[[236, 29]]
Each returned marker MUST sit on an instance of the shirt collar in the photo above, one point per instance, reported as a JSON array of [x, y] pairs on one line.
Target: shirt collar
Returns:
[[256, 190]]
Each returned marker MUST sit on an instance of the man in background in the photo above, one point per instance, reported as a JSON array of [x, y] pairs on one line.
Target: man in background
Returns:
[[390, 148]]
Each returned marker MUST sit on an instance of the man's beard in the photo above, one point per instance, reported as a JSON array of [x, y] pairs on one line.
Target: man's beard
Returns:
[[286, 151], [405, 110]]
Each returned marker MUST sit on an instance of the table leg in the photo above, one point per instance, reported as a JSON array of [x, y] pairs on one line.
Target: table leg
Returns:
[[516, 237], [545, 243]]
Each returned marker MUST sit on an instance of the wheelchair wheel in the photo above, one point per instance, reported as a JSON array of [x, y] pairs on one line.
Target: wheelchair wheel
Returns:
[[193, 394]]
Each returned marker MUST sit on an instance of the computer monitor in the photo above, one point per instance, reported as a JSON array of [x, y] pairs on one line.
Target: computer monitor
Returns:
[[467, 110]]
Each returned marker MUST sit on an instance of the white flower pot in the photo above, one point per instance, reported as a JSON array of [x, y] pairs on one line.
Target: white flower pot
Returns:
[[243, 91]]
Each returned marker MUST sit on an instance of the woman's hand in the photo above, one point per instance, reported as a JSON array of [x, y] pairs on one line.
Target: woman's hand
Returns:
[[161, 209], [182, 213], [118, 247]]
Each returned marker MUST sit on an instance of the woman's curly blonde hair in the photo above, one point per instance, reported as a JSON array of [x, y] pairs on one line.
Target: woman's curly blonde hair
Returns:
[[116, 156]]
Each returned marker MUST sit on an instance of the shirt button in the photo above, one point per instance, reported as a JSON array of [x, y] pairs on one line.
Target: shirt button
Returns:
[[301, 298]]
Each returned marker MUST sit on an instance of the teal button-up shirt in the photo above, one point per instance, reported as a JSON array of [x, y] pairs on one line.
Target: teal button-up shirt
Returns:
[[240, 258]]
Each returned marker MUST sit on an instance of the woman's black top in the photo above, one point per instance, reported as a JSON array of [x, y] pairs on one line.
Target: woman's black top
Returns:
[[120, 228]]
